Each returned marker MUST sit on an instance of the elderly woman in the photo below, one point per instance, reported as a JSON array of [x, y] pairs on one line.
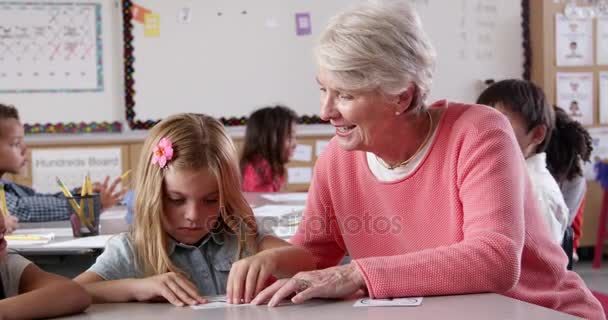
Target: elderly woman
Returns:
[[426, 199]]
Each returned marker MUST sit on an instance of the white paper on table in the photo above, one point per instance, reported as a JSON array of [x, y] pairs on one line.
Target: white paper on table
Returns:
[[286, 196], [573, 41], [297, 175], [28, 239], [398, 302], [272, 210], [575, 95], [58, 232], [94, 242], [215, 302], [303, 152], [320, 146]]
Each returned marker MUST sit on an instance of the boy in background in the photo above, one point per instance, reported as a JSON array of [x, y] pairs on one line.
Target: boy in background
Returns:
[[23, 203]]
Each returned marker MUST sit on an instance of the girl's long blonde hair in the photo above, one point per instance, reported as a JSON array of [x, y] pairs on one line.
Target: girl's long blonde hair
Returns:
[[199, 141]]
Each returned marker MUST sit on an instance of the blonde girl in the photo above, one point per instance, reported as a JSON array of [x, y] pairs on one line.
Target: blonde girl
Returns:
[[194, 233]]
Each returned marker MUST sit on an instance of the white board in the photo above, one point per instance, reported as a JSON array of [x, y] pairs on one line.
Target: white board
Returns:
[[69, 72], [227, 58]]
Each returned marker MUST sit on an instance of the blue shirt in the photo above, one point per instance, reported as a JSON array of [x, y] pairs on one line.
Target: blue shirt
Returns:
[[207, 264], [30, 206]]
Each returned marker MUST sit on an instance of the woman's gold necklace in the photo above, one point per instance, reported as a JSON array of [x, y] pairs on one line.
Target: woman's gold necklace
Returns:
[[403, 163]]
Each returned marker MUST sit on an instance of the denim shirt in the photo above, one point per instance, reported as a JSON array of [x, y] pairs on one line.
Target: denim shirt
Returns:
[[207, 264]]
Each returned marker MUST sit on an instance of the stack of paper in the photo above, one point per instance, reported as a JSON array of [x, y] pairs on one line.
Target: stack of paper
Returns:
[[15, 240], [277, 211], [286, 196], [394, 302], [94, 242]]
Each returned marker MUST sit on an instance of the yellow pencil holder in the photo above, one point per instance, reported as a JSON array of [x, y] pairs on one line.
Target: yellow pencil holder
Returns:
[[85, 214]]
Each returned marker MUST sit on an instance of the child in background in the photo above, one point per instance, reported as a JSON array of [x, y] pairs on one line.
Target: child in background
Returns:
[[270, 141], [533, 121], [26, 292], [194, 233], [570, 146], [23, 203]]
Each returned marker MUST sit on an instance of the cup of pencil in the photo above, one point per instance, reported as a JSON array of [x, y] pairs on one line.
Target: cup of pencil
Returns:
[[85, 208], [85, 217]]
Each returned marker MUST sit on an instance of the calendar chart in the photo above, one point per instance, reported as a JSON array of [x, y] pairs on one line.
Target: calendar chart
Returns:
[[50, 47]]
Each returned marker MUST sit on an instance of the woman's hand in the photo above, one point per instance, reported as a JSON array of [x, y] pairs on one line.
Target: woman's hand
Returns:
[[171, 286], [11, 222], [108, 195], [335, 282], [249, 276]]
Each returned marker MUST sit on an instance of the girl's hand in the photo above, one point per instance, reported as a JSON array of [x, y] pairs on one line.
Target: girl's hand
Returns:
[[171, 286], [108, 195], [11, 222], [249, 276], [335, 282]]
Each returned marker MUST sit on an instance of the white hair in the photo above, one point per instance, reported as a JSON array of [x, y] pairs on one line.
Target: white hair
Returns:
[[378, 45]]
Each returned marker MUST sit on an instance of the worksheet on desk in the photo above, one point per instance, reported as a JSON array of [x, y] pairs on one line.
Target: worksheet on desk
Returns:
[[277, 211], [94, 242], [215, 302], [286, 196], [391, 302]]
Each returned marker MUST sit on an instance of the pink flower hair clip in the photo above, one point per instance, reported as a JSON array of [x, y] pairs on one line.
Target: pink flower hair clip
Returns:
[[163, 152]]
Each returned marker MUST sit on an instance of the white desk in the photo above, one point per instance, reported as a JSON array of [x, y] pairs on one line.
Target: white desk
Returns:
[[466, 307]]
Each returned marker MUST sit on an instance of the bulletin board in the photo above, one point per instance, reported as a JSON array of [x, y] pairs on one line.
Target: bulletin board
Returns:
[[548, 67], [227, 58], [58, 64]]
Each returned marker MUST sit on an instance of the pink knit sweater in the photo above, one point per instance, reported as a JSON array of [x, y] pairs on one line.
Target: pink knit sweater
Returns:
[[464, 221]]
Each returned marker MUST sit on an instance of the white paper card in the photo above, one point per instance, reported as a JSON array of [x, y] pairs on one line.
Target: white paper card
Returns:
[[573, 41], [399, 302], [297, 175], [28, 239], [303, 152], [277, 210], [215, 302], [602, 40], [603, 87], [599, 139], [320, 146], [71, 165], [58, 232], [94, 242], [575, 95], [286, 196]]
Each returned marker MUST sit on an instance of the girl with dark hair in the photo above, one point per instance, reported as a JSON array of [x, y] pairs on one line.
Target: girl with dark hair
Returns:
[[569, 147], [270, 141], [533, 122]]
